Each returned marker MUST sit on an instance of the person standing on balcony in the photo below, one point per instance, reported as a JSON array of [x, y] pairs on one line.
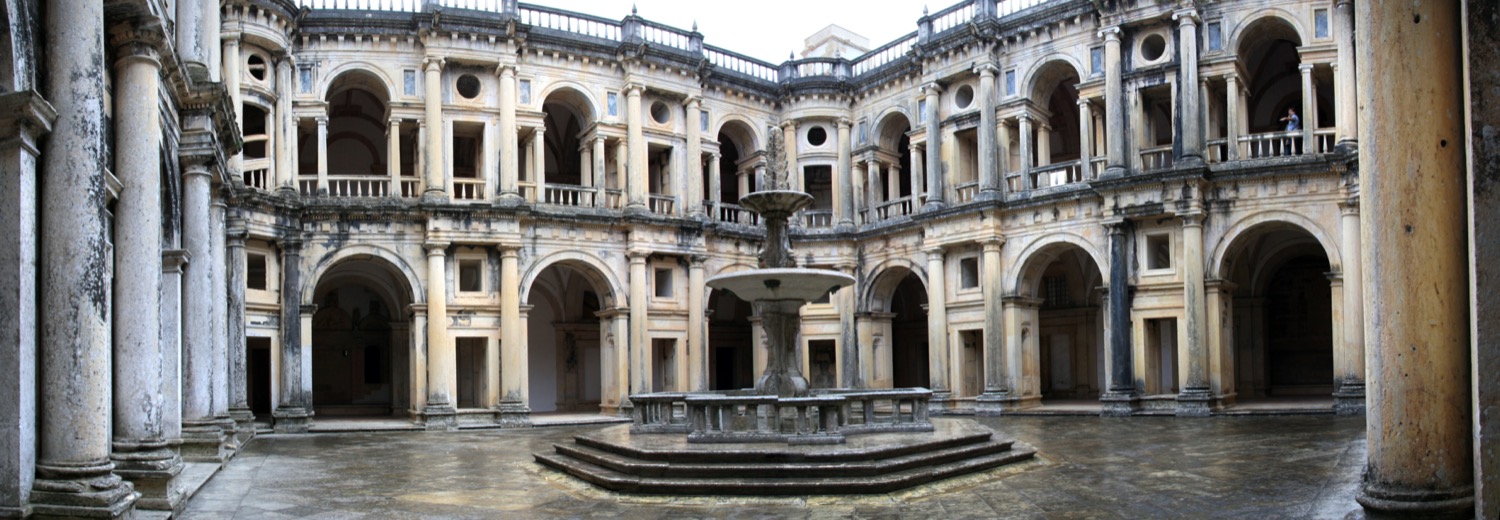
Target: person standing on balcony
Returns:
[[1293, 124]]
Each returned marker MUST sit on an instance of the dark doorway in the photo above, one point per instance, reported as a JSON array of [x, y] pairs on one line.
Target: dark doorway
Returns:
[[258, 380]]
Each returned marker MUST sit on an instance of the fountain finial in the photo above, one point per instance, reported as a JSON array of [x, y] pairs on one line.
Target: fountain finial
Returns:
[[776, 175]]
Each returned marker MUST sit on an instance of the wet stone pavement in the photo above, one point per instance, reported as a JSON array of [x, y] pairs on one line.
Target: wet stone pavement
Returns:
[[1086, 467]]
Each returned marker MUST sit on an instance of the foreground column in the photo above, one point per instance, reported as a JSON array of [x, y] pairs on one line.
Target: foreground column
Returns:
[[996, 388], [220, 327], [937, 328], [1193, 400], [514, 411], [141, 452], [936, 181], [694, 197], [1415, 260], [439, 413], [635, 176], [1187, 96], [294, 405], [640, 368], [239, 397], [202, 436], [1344, 72], [74, 475], [1120, 398]]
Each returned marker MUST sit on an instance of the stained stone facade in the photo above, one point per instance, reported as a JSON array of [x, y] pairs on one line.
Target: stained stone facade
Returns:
[[467, 213]]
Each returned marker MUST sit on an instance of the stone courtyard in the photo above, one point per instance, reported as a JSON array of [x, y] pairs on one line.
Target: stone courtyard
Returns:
[[1087, 467]]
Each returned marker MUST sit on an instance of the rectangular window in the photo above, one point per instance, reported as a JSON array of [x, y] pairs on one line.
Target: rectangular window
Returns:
[[306, 77], [1215, 36], [1010, 82], [255, 271], [1320, 18], [613, 102], [525, 92], [470, 276], [968, 273], [410, 78], [1055, 292], [663, 283], [703, 121], [1096, 61], [1158, 251], [860, 131], [922, 111]]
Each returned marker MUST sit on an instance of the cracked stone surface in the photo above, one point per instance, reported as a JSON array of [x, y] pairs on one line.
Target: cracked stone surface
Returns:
[[1087, 467]]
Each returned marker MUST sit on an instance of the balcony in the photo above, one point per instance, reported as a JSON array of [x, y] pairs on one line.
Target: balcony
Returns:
[[1158, 158], [256, 173], [468, 189], [891, 209], [966, 192], [734, 214], [1059, 174], [664, 205], [571, 196], [817, 218]]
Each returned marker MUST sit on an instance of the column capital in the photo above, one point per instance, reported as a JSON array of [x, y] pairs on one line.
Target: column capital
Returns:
[[135, 45], [435, 248], [505, 69], [509, 250], [26, 115], [394, 121], [932, 89], [1349, 206], [601, 139], [714, 154], [844, 123], [637, 255], [1335, 277], [697, 261], [1186, 17], [540, 130], [432, 63], [1306, 68], [1024, 117], [1191, 218], [322, 120], [172, 260], [986, 69], [230, 37], [1116, 226], [693, 102], [788, 124], [194, 166], [633, 88], [992, 243], [1085, 103], [934, 252], [1110, 34]]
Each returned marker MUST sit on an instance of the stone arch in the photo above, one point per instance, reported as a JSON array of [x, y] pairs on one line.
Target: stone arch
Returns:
[[1044, 75], [361, 343], [606, 284], [1245, 31], [740, 128], [887, 122], [361, 74], [574, 95], [1040, 252], [412, 292], [1221, 263], [887, 274]]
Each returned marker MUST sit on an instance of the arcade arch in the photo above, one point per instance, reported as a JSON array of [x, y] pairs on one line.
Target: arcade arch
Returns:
[[361, 340], [1061, 318], [565, 365]]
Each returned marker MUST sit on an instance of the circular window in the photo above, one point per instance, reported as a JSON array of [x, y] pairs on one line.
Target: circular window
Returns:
[[816, 136], [468, 86], [660, 113], [256, 65], [964, 97], [1153, 46]]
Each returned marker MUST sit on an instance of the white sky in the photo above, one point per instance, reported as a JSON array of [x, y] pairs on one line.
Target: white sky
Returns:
[[766, 29]]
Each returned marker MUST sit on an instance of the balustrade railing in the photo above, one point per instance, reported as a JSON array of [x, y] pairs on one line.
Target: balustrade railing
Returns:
[[614, 199], [735, 214], [256, 173], [965, 192], [740, 63], [884, 54], [1325, 139], [558, 20], [1009, 7], [358, 186], [894, 208], [411, 188], [1157, 158], [817, 67], [468, 189], [665, 35], [527, 190], [662, 204], [1057, 174], [954, 16], [570, 195], [1097, 166], [817, 218], [1217, 150]]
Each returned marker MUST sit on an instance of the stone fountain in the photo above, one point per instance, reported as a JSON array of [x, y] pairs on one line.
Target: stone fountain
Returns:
[[781, 438]]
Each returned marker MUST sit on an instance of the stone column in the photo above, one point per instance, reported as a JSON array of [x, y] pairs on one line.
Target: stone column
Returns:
[[232, 62], [1023, 120], [640, 368], [1043, 145], [996, 386], [439, 413], [239, 402], [393, 157], [1309, 106], [1194, 398], [1350, 397], [635, 177], [937, 328], [1484, 250], [793, 171], [844, 177], [852, 359], [1002, 163], [917, 174], [203, 439], [432, 104], [189, 31], [599, 181], [1420, 457], [26, 119], [697, 331], [1085, 139], [872, 183], [694, 197], [989, 174], [510, 165], [286, 126], [539, 162], [1114, 104], [1120, 398], [322, 155], [715, 190], [742, 179], [893, 184], [1345, 88], [1189, 114], [294, 405], [936, 178], [219, 327], [170, 332], [141, 452], [514, 411], [1232, 114]]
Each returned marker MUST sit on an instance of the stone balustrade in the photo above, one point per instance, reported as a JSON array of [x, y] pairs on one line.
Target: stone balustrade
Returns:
[[825, 417]]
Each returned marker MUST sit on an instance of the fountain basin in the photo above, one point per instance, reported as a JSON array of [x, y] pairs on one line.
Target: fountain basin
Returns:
[[775, 201], [797, 284]]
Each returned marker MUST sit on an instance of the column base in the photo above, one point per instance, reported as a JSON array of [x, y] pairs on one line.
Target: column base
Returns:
[[990, 194], [1114, 171], [1194, 403], [231, 434], [287, 191], [510, 199], [84, 491], [1382, 502], [1346, 146], [636, 208], [934, 205], [244, 424], [434, 196], [1350, 398], [291, 420], [440, 418], [1119, 404], [938, 405], [203, 441], [22, 511], [514, 414], [991, 403], [153, 469]]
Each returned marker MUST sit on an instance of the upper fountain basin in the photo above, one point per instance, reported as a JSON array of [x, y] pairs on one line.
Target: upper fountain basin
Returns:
[[776, 200], [781, 284]]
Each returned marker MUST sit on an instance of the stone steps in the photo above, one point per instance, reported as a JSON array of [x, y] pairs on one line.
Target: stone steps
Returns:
[[656, 465]]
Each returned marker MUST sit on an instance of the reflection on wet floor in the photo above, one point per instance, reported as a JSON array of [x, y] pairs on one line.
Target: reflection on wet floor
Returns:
[[1088, 467]]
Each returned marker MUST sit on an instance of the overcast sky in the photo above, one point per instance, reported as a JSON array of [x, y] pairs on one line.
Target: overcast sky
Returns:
[[766, 29]]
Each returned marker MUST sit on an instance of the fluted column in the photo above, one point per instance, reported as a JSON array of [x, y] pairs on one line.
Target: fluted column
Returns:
[[694, 198], [996, 386], [294, 405], [510, 165], [432, 104], [697, 332], [1188, 106], [937, 327], [1414, 242], [1114, 104], [937, 184], [439, 413], [203, 438], [989, 174], [1024, 120], [141, 451], [635, 178], [845, 177], [239, 398], [1194, 398], [514, 410], [1120, 398], [1344, 77], [1350, 397], [640, 368]]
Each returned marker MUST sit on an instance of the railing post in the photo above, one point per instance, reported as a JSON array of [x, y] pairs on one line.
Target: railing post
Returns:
[[510, 9], [924, 27]]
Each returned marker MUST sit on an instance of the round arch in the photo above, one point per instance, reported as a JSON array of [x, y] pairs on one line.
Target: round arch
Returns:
[[603, 279], [1241, 32], [1047, 71], [882, 286], [357, 74], [887, 121], [1040, 252], [574, 95], [739, 128], [1219, 262], [389, 259]]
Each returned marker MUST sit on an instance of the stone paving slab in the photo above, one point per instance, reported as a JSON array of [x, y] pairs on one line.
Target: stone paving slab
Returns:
[[1087, 467]]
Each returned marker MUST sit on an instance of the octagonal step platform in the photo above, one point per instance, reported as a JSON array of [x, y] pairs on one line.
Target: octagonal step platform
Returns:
[[875, 463]]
